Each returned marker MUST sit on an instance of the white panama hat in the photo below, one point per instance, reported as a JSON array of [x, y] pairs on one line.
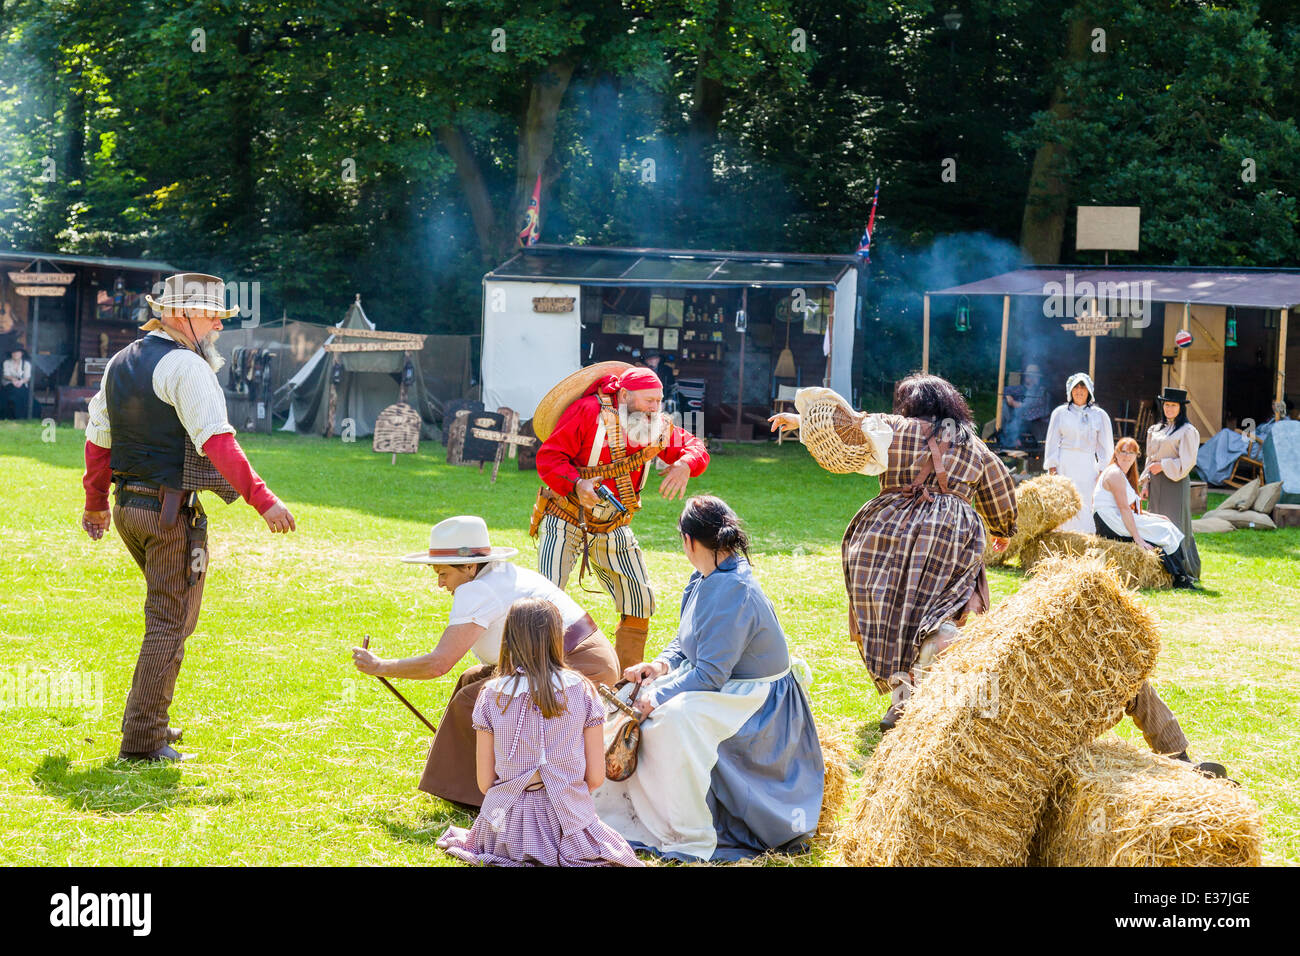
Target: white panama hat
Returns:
[[460, 540]]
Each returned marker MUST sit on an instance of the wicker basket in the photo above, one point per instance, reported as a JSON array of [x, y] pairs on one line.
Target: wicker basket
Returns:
[[832, 431]]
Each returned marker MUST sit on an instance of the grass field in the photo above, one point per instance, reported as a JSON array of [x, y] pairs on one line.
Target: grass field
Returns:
[[304, 761]]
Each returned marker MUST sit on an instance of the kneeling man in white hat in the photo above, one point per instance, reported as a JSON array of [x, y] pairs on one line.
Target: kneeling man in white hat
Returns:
[[483, 583]]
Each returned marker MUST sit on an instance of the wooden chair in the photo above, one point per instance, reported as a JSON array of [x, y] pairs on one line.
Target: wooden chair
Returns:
[[1146, 418], [1251, 461], [784, 403]]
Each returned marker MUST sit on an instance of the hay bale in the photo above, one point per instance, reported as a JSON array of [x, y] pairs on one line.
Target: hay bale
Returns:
[[964, 776], [838, 755], [1116, 805], [1042, 503], [1137, 567]]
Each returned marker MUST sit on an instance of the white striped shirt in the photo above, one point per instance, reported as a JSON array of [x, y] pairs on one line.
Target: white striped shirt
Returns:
[[184, 381]]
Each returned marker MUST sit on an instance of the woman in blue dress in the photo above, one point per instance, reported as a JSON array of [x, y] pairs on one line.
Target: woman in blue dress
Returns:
[[729, 764]]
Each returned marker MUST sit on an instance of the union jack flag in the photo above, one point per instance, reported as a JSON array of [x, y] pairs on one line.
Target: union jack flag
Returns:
[[864, 245], [528, 235]]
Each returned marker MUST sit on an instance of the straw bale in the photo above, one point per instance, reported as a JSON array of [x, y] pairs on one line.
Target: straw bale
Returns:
[[1116, 805], [964, 776], [1042, 503], [838, 755], [1137, 567]]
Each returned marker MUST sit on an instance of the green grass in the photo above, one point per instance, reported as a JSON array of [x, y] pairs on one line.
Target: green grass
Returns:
[[303, 760]]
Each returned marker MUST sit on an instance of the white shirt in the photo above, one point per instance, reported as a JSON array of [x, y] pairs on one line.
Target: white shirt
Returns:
[[486, 600], [21, 370], [184, 381]]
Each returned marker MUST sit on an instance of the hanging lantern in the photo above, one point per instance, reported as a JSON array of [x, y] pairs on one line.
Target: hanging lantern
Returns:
[[1231, 339], [963, 315]]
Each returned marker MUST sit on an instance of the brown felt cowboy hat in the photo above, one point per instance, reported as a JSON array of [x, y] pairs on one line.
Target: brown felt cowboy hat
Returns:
[[570, 388], [192, 291]]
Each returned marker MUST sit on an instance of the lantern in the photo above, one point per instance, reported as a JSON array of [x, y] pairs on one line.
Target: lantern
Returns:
[[1231, 339], [963, 315]]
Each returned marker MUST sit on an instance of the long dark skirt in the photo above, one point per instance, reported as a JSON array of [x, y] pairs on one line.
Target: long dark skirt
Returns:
[[1173, 499]]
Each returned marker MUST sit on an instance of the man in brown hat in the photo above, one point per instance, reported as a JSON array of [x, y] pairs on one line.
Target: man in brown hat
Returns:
[[605, 424], [158, 431]]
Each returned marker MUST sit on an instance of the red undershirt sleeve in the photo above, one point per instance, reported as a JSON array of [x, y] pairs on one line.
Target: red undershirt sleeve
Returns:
[[98, 477], [229, 459]]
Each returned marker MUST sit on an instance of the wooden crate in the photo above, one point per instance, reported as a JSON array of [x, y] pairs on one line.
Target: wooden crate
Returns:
[[1286, 516], [1200, 490]]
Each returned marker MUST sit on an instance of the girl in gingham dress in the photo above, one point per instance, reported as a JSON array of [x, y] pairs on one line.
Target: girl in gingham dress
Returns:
[[540, 755]]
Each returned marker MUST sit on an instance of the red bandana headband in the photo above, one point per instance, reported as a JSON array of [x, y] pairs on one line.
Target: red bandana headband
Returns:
[[634, 380]]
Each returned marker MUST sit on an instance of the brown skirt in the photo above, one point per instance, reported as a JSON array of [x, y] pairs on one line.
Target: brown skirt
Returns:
[[450, 771]]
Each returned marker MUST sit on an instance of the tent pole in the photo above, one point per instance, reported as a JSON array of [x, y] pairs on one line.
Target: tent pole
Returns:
[[1092, 351], [925, 336], [1002, 362], [334, 399], [740, 388], [1279, 411], [1182, 359]]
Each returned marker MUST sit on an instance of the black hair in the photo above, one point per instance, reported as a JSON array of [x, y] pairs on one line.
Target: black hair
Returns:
[[1179, 422], [712, 523], [929, 396]]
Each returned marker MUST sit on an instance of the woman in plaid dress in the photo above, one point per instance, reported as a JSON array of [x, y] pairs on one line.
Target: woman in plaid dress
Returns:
[[913, 555], [540, 755]]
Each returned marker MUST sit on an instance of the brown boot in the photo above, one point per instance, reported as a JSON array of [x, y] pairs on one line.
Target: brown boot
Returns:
[[629, 640]]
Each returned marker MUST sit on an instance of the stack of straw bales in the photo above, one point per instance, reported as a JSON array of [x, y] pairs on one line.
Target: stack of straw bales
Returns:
[[1137, 567], [998, 744], [964, 777], [1115, 805], [1042, 503]]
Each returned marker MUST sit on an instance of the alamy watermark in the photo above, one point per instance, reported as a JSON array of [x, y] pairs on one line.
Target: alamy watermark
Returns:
[[1071, 300], [81, 690]]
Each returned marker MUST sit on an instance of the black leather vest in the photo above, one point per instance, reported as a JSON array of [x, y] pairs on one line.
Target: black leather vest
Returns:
[[148, 437]]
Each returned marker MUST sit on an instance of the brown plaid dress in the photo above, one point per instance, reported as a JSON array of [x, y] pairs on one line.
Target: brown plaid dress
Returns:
[[910, 564]]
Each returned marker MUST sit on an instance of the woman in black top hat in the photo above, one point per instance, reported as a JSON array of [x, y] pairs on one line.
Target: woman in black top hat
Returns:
[[1171, 449]]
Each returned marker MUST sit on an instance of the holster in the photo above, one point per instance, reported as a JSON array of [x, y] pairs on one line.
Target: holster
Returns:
[[196, 545], [171, 505]]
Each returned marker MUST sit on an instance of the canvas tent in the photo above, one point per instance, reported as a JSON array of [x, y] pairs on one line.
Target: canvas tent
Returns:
[[369, 382]]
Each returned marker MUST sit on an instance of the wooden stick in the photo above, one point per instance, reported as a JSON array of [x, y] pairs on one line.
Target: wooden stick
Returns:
[[396, 693]]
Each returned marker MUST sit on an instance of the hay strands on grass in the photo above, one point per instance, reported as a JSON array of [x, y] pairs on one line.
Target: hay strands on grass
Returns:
[[964, 776], [838, 756], [1137, 567], [1042, 503], [1116, 805]]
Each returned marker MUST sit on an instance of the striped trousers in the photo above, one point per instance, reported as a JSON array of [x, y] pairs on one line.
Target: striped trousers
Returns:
[[615, 558], [171, 611]]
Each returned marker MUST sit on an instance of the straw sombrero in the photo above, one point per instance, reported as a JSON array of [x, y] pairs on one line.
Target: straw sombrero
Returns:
[[835, 435], [570, 388]]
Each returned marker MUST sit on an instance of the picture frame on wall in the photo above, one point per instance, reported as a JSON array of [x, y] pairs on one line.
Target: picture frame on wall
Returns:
[[666, 311], [670, 337]]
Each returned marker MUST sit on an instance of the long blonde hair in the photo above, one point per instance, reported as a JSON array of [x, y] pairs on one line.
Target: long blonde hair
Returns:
[[534, 643], [1129, 445]]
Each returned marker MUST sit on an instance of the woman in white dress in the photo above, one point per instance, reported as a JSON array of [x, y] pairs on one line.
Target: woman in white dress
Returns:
[[1114, 499], [1079, 443]]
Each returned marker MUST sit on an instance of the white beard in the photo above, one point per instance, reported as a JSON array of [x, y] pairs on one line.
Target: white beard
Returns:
[[643, 428], [207, 348]]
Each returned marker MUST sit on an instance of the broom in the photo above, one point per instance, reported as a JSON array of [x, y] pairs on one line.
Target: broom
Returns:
[[785, 363]]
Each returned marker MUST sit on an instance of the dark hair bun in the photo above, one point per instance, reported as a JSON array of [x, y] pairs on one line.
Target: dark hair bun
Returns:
[[709, 521]]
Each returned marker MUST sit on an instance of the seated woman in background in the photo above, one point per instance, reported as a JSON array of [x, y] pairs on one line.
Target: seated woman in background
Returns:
[[729, 765], [1113, 502]]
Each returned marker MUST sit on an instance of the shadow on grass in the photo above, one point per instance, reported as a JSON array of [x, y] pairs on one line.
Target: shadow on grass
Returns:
[[428, 828], [120, 787]]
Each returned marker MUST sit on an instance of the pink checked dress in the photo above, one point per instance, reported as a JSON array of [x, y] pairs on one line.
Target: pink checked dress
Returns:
[[556, 825]]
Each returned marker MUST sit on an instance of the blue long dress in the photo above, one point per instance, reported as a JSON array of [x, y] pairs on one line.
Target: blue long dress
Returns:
[[730, 765]]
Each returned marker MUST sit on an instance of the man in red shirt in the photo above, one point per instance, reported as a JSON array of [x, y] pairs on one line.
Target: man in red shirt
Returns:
[[157, 429], [610, 436]]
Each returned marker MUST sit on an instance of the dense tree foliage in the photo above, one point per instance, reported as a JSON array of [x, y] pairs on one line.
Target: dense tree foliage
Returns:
[[326, 147]]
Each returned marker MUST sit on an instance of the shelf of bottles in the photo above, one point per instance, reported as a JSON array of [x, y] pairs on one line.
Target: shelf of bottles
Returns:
[[703, 322]]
